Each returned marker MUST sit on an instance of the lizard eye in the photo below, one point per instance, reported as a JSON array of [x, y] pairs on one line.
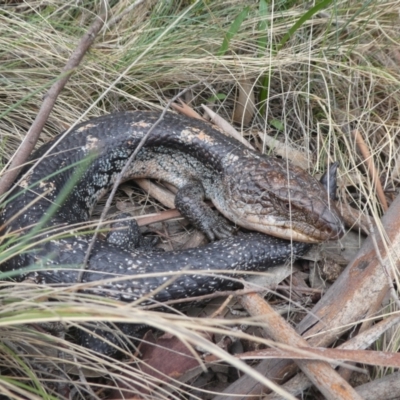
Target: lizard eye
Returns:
[[285, 206]]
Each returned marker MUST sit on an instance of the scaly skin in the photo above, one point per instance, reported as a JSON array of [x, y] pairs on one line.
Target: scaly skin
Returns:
[[251, 190]]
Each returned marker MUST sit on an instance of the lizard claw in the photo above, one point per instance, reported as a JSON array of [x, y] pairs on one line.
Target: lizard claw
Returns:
[[222, 229]]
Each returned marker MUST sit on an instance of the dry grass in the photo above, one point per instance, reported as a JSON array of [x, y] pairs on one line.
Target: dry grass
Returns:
[[338, 73]]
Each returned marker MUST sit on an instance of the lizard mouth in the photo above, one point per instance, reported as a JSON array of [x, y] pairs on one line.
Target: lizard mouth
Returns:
[[328, 227], [308, 235]]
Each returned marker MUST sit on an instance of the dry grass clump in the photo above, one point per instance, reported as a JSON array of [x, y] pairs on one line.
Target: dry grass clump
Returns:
[[336, 76]]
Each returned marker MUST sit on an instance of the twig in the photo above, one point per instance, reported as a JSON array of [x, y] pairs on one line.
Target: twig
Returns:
[[285, 151], [369, 161], [122, 173], [245, 107], [299, 383], [323, 376], [334, 356], [159, 217], [164, 196], [227, 127], [295, 386], [386, 388], [346, 374], [184, 109], [388, 274], [352, 217], [222, 307], [29, 142]]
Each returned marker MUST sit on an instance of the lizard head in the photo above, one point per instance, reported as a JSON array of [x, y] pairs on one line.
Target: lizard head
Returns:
[[271, 196]]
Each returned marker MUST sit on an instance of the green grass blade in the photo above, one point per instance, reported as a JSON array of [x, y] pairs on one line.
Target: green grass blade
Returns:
[[262, 43], [305, 17], [233, 29], [263, 26], [37, 388], [34, 93]]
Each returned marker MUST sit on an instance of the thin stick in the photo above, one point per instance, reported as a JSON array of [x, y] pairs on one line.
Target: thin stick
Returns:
[[29, 142], [372, 171], [390, 275]]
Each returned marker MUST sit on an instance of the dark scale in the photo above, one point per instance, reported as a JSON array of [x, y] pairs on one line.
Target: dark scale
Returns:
[[250, 190]]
